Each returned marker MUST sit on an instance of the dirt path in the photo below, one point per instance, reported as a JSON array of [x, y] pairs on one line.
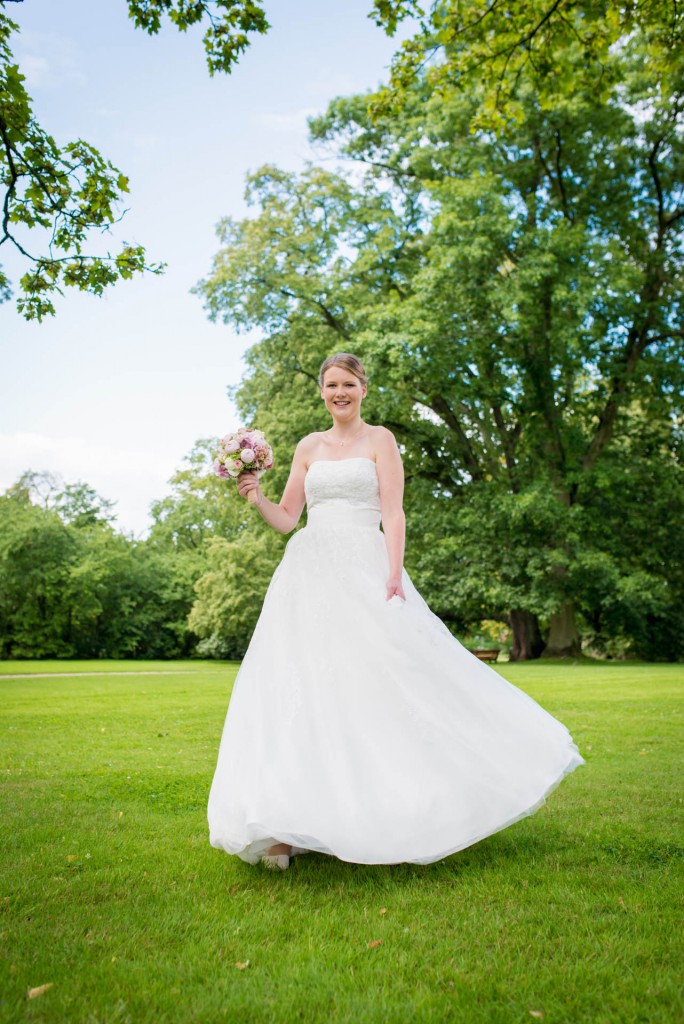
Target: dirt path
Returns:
[[70, 675]]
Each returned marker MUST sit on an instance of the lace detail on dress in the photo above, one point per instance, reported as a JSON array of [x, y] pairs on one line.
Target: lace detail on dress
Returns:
[[348, 482]]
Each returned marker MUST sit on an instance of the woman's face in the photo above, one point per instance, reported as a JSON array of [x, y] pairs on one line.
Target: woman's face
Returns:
[[342, 393]]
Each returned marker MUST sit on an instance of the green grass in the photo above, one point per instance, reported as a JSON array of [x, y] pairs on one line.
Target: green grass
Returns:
[[111, 892]]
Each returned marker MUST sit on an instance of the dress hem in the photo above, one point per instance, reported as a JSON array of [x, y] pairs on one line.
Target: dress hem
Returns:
[[253, 852]]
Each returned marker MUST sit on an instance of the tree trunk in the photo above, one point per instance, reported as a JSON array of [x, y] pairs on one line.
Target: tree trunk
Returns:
[[564, 640], [527, 638]]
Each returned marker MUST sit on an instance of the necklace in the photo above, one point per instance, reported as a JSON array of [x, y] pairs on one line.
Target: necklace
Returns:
[[358, 434]]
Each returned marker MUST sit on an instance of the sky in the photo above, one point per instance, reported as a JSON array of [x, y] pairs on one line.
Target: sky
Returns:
[[115, 391]]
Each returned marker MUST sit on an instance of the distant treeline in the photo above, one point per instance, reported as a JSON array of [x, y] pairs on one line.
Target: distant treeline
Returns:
[[71, 586]]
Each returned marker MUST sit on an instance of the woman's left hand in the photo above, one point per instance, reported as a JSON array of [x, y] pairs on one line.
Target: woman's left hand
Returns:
[[395, 589]]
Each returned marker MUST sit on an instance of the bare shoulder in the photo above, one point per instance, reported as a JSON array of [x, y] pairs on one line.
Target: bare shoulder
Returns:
[[309, 440], [307, 445], [383, 439]]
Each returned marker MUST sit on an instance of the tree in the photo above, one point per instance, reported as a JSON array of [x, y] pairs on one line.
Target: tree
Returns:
[[81, 505], [231, 590], [228, 553], [78, 504], [201, 506], [37, 487], [505, 46], [58, 195], [71, 587], [37, 552], [517, 292], [230, 24]]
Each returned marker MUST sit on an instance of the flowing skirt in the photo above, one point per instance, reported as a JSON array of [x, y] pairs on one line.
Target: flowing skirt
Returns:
[[362, 728]]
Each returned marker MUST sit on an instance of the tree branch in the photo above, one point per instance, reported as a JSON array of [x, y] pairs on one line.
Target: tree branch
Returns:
[[559, 177], [439, 405], [629, 359]]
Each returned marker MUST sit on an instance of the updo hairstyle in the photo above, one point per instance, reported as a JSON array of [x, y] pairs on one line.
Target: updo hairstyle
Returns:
[[348, 362]]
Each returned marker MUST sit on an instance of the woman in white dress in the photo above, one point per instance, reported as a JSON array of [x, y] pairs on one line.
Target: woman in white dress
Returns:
[[358, 725]]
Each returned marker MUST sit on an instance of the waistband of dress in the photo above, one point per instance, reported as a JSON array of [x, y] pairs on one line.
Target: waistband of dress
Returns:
[[343, 515]]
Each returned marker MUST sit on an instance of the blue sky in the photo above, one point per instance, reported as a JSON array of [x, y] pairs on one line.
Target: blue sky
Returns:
[[114, 391]]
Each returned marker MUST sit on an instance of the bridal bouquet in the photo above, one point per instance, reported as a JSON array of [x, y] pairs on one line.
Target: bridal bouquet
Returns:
[[241, 451]]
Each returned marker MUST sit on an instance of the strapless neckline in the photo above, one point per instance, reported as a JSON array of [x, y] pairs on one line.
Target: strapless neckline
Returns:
[[352, 458], [342, 491]]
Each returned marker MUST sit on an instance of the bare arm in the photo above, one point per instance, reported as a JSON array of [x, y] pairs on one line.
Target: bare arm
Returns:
[[391, 479], [284, 516]]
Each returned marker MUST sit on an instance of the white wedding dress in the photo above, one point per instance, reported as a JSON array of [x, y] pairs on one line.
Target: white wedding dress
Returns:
[[362, 728]]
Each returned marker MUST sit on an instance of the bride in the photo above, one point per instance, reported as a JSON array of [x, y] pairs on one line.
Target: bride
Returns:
[[358, 725]]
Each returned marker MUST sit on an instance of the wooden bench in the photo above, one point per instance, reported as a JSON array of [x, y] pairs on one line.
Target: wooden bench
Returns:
[[487, 654]]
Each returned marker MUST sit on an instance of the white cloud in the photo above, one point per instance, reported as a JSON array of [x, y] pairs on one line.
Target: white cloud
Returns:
[[49, 61], [133, 479], [35, 69]]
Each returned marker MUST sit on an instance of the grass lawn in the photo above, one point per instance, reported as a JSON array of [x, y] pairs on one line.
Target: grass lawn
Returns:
[[112, 895]]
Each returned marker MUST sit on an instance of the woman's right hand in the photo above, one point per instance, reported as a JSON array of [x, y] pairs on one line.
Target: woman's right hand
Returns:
[[247, 482]]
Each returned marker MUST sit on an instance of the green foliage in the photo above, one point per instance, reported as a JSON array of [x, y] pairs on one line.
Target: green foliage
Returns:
[[80, 505], [55, 196], [59, 194], [517, 296], [37, 553], [206, 523], [560, 47], [72, 587], [628, 571], [230, 24], [231, 590], [390, 13], [200, 506]]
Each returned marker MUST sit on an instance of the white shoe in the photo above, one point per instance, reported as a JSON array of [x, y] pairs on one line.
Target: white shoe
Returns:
[[275, 861]]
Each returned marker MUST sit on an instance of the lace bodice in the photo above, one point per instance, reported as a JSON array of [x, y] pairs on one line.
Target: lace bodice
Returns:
[[344, 484]]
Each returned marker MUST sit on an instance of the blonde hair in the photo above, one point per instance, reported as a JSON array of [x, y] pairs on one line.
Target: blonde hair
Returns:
[[348, 362]]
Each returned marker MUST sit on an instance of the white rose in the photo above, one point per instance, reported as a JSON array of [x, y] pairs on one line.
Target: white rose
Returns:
[[247, 455]]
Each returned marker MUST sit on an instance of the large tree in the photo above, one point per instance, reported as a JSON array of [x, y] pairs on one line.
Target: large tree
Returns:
[[516, 291]]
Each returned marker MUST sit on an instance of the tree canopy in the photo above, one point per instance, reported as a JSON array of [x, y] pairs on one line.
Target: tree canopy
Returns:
[[515, 287], [557, 46]]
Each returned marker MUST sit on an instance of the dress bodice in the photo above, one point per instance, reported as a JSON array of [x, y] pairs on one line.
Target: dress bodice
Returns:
[[343, 489]]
